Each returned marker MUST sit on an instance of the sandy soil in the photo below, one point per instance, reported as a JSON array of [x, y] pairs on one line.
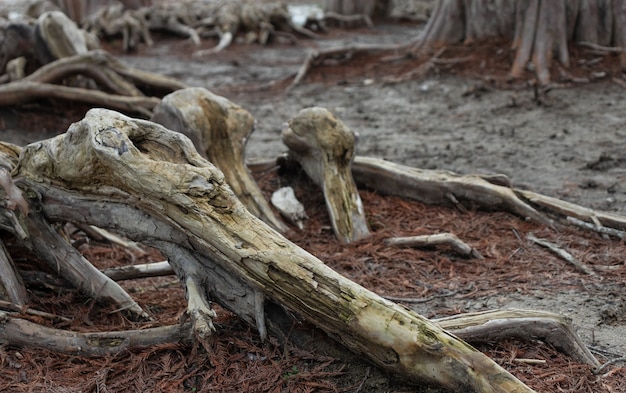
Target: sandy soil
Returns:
[[570, 144]]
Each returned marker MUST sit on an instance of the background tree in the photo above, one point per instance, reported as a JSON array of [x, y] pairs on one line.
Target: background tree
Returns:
[[538, 30]]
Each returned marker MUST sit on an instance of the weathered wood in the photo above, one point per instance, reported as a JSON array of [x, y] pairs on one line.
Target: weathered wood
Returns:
[[284, 200], [20, 92], [324, 147], [130, 272], [434, 240], [114, 156], [219, 130], [10, 280], [440, 187], [552, 328], [20, 332]]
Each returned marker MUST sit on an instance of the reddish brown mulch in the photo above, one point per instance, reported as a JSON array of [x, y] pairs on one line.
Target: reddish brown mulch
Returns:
[[236, 361]]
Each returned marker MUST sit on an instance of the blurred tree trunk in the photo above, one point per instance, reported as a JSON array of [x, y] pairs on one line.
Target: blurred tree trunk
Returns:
[[352, 7], [538, 29]]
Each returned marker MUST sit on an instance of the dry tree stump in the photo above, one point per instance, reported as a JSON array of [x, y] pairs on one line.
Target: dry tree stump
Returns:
[[138, 178], [219, 130], [324, 146]]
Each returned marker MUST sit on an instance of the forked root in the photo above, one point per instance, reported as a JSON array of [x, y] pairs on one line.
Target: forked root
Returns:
[[198, 309]]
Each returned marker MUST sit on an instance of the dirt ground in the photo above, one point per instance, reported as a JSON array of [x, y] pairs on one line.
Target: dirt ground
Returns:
[[466, 117]]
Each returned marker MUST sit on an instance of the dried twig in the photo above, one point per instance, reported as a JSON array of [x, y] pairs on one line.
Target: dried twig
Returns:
[[600, 229], [610, 49], [318, 57], [562, 254], [433, 240], [14, 307], [131, 272]]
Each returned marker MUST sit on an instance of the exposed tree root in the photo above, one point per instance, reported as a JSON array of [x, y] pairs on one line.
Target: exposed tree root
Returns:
[[149, 183], [448, 239], [20, 332]]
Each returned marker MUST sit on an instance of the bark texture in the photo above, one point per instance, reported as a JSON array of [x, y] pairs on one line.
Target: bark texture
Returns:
[[538, 29], [216, 246]]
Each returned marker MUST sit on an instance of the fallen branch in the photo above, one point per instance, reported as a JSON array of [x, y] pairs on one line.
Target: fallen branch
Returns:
[[448, 239], [21, 309], [315, 57], [562, 254], [20, 92], [551, 328], [595, 228], [131, 272], [22, 333]]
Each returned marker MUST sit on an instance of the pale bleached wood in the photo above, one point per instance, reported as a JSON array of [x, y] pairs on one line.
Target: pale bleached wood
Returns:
[[555, 329], [220, 130], [115, 157], [324, 146], [23, 333]]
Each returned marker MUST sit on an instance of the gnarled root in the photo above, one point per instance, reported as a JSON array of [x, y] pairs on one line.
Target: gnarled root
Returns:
[[324, 147]]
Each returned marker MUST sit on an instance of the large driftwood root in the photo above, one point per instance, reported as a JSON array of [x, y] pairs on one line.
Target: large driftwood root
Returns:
[[324, 147], [143, 170], [219, 130]]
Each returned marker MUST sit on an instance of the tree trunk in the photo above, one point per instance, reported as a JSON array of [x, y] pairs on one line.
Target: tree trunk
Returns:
[[538, 29], [351, 7]]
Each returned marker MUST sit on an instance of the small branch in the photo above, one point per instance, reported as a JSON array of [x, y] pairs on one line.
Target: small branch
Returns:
[[18, 308], [131, 272], [562, 254], [315, 57], [23, 333], [609, 49], [600, 229], [600, 369], [448, 239]]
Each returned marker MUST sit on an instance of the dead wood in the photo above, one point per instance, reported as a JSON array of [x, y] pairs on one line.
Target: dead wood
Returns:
[[131, 272], [324, 146], [102, 68], [284, 200], [219, 130], [440, 187], [552, 328], [207, 231], [10, 280], [20, 332], [22, 309], [448, 239], [562, 254]]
